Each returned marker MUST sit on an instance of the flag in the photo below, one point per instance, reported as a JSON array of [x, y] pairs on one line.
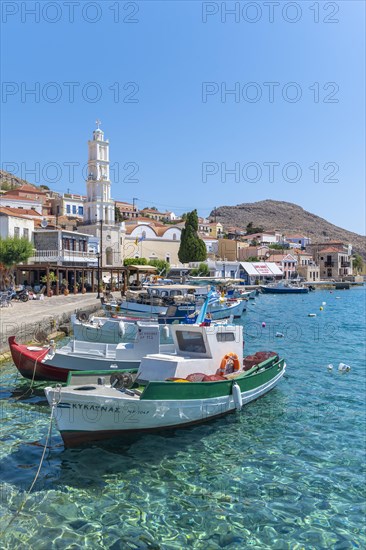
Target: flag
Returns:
[[139, 239]]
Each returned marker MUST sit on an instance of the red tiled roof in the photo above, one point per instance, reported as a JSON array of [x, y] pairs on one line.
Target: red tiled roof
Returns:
[[329, 249], [17, 198], [20, 212]]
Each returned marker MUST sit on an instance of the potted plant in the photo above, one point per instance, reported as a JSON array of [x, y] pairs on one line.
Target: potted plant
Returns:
[[82, 283], [65, 284], [52, 279]]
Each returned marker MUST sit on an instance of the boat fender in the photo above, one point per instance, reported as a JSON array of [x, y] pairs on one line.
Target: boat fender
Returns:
[[238, 400], [233, 357], [263, 324], [165, 331], [121, 329]]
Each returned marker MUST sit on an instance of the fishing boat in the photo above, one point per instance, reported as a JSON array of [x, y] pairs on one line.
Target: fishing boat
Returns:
[[116, 329], [172, 303], [284, 288], [110, 330], [50, 363], [205, 378]]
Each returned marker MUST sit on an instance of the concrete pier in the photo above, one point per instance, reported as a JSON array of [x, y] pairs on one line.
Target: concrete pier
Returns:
[[23, 319]]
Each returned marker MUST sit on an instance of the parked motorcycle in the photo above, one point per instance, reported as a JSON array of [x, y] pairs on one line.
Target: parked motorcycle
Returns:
[[21, 295]]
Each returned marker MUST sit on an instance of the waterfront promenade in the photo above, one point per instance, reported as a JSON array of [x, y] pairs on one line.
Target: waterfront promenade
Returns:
[[22, 319]]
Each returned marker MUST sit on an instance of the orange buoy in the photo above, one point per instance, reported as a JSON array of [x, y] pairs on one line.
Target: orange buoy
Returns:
[[232, 357]]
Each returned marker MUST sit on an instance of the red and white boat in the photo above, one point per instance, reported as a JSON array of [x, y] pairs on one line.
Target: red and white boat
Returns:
[[54, 364], [29, 360]]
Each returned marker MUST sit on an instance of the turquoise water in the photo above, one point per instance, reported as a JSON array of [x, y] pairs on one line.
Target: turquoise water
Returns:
[[286, 472]]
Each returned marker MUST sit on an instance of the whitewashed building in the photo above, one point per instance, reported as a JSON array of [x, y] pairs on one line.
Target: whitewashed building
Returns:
[[14, 224]]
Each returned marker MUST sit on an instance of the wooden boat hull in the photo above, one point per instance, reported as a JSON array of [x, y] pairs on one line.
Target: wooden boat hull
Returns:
[[37, 365], [84, 414], [217, 310], [29, 363], [274, 290]]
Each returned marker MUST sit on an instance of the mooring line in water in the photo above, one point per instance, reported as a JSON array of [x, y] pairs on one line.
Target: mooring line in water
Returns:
[[32, 380], [55, 401]]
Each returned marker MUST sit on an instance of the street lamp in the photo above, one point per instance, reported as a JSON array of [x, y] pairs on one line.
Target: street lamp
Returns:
[[100, 259]]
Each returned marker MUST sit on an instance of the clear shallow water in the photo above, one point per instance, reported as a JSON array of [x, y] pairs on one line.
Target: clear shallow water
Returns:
[[286, 472]]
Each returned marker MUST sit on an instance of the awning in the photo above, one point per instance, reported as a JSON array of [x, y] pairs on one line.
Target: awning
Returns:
[[261, 268], [142, 267]]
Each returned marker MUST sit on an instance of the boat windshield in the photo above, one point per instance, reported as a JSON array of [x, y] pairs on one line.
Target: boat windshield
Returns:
[[190, 341]]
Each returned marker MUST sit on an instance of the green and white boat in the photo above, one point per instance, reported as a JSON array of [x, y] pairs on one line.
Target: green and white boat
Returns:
[[205, 378]]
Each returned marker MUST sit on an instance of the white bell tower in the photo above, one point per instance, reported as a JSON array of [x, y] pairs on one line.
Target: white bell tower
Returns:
[[99, 205]]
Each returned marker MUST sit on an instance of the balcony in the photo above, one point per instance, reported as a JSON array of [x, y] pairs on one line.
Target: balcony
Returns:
[[328, 264], [345, 264], [61, 257]]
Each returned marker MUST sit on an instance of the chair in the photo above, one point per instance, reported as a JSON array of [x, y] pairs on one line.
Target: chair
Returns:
[[40, 294]]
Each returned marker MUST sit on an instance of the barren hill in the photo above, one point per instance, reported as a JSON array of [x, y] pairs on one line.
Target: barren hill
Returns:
[[287, 217]]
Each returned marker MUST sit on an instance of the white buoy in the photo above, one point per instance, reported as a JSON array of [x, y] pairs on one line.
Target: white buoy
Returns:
[[311, 314], [330, 366], [324, 303], [166, 331], [238, 400], [342, 367], [279, 335]]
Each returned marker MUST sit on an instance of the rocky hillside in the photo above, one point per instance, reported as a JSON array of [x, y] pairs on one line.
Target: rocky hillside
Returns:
[[10, 181], [287, 217]]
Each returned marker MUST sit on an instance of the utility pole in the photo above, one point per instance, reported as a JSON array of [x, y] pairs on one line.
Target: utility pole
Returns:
[[133, 203]]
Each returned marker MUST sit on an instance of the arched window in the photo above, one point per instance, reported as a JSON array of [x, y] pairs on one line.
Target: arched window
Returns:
[[109, 256]]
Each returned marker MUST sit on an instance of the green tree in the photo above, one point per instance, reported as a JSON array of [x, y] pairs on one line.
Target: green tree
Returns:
[[13, 251], [277, 246], [252, 259], [251, 230], [357, 263], [201, 271], [192, 248], [117, 215], [134, 261], [162, 267]]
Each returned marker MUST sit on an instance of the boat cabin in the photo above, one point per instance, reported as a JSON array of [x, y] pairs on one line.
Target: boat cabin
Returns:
[[198, 349]]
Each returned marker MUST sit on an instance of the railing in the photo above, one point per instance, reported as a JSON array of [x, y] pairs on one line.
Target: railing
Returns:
[[328, 264], [345, 264], [63, 256]]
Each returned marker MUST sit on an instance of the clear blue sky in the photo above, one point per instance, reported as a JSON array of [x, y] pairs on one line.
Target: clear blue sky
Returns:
[[176, 123]]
